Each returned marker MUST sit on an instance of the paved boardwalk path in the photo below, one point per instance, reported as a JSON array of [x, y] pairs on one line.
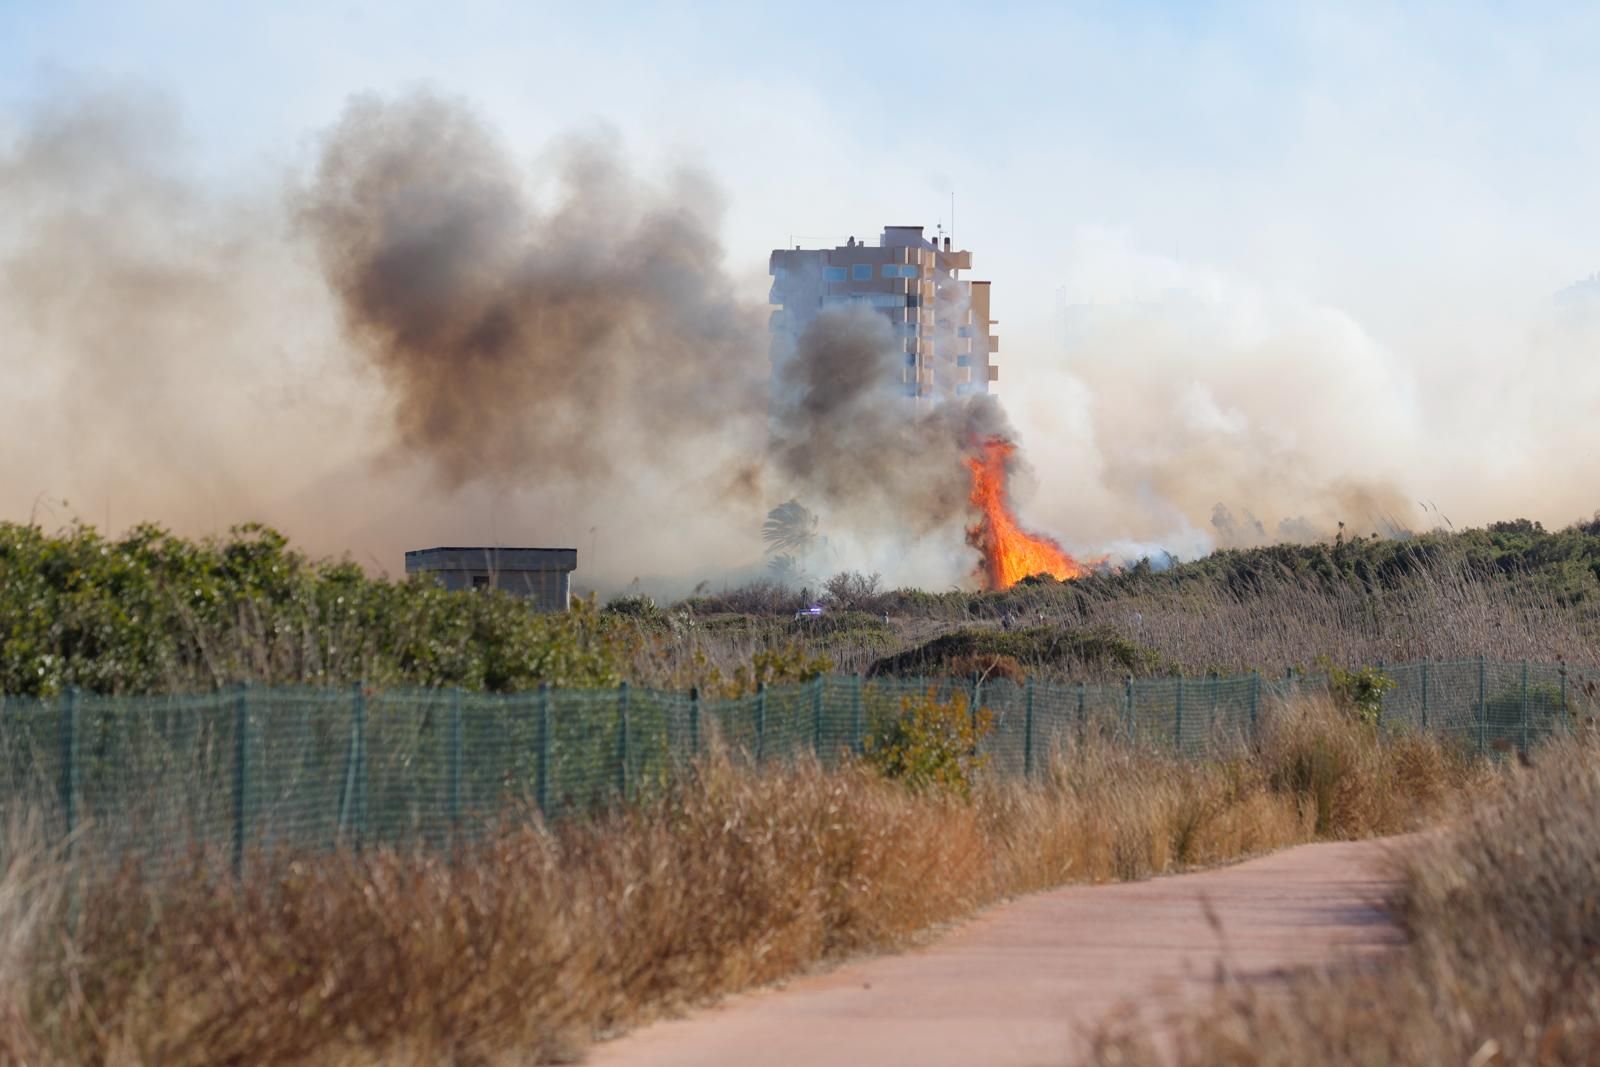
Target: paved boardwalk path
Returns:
[[1019, 984]]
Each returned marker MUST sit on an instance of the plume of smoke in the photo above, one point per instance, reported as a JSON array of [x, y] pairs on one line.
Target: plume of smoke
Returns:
[[844, 433], [523, 343], [574, 368], [1198, 401], [154, 373], [563, 357]]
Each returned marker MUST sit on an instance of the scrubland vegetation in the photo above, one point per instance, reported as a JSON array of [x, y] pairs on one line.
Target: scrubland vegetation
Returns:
[[151, 612], [1500, 910], [539, 938], [536, 938]]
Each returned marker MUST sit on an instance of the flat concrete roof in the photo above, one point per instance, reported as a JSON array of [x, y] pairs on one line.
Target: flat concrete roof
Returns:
[[476, 557]]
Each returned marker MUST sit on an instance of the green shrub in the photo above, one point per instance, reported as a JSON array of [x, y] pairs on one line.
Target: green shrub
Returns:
[[152, 612], [1360, 692], [930, 743], [639, 607]]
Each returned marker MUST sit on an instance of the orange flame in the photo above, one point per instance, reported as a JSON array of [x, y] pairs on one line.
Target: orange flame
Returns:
[[1010, 553]]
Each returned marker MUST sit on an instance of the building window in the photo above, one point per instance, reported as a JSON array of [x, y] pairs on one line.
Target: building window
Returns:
[[877, 300], [833, 274], [861, 272], [480, 581], [963, 361]]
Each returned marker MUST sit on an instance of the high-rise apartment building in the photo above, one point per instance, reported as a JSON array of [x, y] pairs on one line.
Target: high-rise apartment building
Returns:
[[940, 320]]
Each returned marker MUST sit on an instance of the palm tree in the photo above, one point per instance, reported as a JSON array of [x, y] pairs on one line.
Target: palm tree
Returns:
[[791, 528]]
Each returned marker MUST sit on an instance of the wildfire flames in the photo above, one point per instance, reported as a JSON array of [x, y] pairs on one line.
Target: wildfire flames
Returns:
[[1010, 553]]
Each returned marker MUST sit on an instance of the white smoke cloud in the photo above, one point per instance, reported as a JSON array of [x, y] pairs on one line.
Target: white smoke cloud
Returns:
[[1186, 398]]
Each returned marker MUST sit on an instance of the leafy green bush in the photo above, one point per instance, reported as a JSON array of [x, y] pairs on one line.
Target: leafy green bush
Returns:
[[1360, 691], [638, 607], [930, 743], [152, 612]]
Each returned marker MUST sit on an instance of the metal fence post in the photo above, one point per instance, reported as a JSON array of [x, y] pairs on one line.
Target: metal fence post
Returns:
[[542, 785], [1255, 701], [1424, 694], [622, 740], [816, 716], [761, 721], [241, 775], [1381, 701], [1213, 682], [71, 772], [694, 721], [359, 711], [857, 727], [1027, 727], [456, 747], [1128, 703], [1524, 705], [1177, 718], [1483, 709], [1566, 716]]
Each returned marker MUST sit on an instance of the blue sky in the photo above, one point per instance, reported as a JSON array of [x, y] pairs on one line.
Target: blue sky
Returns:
[[1362, 200], [1221, 132]]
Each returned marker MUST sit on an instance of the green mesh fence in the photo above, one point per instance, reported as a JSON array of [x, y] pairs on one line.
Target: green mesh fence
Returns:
[[233, 772]]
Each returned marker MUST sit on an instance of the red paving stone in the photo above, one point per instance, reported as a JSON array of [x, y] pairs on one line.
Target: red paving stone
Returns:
[[1020, 983]]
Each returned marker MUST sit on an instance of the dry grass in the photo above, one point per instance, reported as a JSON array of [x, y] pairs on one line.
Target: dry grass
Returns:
[[1503, 966], [1448, 609], [528, 945]]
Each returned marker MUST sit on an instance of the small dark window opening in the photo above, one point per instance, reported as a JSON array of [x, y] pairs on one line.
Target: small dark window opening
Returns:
[[480, 581]]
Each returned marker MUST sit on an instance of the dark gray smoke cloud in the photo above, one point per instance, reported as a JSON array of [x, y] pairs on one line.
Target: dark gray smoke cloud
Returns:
[[596, 334], [845, 433]]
